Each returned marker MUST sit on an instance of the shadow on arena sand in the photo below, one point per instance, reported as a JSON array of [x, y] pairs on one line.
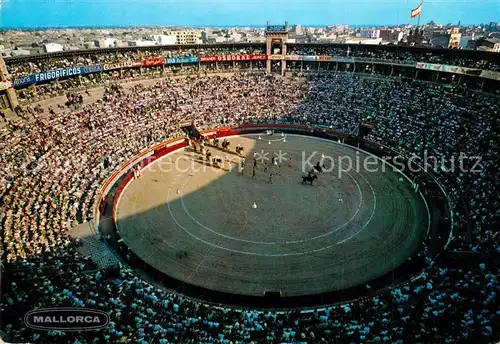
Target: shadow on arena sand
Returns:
[[221, 231]]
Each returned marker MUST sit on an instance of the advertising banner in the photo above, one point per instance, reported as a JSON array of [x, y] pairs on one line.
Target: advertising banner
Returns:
[[276, 28], [448, 69], [153, 62], [430, 66], [292, 57], [324, 58], [309, 58], [111, 66], [92, 69], [490, 75], [258, 57], [187, 59], [275, 57], [222, 58], [421, 65], [342, 59], [24, 80], [469, 71], [121, 64], [56, 74], [208, 58]]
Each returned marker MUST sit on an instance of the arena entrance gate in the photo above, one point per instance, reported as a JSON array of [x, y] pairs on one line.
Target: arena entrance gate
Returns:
[[190, 130], [276, 37]]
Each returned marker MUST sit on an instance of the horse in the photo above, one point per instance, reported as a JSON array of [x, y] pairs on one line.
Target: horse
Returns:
[[217, 161], [309, 179], [215, 142], [239, 149], [226, 144]]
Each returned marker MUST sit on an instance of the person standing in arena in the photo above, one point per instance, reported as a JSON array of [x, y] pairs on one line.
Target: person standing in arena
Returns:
[[137, 171]]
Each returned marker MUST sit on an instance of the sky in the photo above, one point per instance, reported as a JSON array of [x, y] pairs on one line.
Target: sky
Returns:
[[88, 13]]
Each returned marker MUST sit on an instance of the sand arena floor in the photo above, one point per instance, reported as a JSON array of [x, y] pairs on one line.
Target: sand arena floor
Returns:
[[301, 239]]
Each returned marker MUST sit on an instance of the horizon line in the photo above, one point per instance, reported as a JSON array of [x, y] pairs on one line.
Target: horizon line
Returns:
[[254, 26]]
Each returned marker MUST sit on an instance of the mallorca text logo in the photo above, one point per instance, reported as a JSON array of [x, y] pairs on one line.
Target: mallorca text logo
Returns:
[[66, 319]]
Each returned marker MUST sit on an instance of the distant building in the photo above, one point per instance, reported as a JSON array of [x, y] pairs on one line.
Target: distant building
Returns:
[[369, 33], [119, 43], [53, 47], [455, 37], [327, 38], [448, 40], [235, 37], [256, 39], [205, 36], [186, 36], [430, 32], [297, 30], [388, 35], [465, 40], [488, 44], [165, 39], [141, 43], [106, 43], [19, 52], [493, 27], [440, 41], [89, 45]]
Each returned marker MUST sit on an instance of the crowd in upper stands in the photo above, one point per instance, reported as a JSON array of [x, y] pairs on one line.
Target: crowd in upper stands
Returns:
[[396, 56], [53, 162], [37, 65], [42, 64]]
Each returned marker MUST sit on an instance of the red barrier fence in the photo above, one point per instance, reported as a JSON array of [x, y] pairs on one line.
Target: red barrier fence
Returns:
[[144, 163]]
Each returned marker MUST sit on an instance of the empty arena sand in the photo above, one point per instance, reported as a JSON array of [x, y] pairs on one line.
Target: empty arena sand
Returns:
[[301, 239]]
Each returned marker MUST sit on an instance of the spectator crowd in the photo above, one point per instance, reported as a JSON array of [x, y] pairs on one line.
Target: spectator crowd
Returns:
[[53, 162], [20, 67]]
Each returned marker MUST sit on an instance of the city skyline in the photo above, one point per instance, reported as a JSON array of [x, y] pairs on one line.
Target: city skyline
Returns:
[[212, 13]]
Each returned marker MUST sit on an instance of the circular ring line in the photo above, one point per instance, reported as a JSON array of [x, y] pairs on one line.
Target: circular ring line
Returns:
[[332, 231], [283, 254]]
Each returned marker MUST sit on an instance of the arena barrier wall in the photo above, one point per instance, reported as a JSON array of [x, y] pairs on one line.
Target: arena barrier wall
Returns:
[[143, 163], [126, 167], [417, 263]]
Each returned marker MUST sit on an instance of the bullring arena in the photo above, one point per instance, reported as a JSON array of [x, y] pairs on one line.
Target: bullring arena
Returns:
[[228, 230], [104, 206]]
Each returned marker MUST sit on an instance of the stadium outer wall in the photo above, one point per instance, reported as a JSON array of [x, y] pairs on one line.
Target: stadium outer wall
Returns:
[[411, 270]]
